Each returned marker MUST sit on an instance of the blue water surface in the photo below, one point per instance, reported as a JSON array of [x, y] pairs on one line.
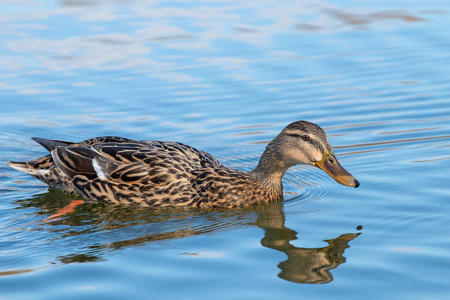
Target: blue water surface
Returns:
[[226, 77]]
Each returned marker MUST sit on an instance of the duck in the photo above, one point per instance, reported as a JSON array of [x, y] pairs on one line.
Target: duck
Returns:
[[123, 171]]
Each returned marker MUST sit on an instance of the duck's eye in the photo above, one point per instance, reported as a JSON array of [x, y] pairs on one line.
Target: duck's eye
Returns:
[[306, 138]]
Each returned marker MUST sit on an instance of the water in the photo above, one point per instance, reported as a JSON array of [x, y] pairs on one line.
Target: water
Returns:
[[226, 77]]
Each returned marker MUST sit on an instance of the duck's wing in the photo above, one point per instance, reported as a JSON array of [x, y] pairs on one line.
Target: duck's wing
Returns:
[[105, 160], [150, 153], [132, 172]]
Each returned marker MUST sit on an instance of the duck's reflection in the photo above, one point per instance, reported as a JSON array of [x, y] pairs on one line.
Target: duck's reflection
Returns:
[[101, 228], [303, 265]]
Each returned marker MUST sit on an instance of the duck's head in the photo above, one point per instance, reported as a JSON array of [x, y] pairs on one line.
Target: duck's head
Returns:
[[306, 143]]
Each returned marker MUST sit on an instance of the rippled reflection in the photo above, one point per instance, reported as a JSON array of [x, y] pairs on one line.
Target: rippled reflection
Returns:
[[101, 228], [303, 265]]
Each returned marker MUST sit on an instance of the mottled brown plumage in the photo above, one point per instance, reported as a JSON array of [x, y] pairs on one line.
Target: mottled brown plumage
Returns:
[[149, 173]]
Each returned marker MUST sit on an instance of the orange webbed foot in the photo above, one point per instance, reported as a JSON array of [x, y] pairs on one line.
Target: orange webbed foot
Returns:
[[62, 211]]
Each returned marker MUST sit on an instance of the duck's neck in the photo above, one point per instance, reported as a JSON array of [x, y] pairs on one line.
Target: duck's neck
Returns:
[[270, 169]]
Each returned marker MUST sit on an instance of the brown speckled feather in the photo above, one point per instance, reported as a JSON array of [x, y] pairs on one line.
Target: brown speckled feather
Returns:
[[141, 173]]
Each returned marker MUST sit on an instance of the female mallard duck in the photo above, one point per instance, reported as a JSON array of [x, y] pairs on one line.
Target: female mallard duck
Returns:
[[147, 173]]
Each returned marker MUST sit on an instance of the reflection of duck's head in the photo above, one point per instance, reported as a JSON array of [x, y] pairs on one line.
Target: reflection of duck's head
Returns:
[[303, 265], [313, 265], [306, 143]]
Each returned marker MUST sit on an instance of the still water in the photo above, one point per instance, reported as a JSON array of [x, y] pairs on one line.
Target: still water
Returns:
[[226, 77]]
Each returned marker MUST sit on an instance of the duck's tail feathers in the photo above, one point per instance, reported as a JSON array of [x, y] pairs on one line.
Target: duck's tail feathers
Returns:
[[22, 166], [51, 145]]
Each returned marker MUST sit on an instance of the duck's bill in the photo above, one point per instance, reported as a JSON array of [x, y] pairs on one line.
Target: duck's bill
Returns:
[[330, 165]]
